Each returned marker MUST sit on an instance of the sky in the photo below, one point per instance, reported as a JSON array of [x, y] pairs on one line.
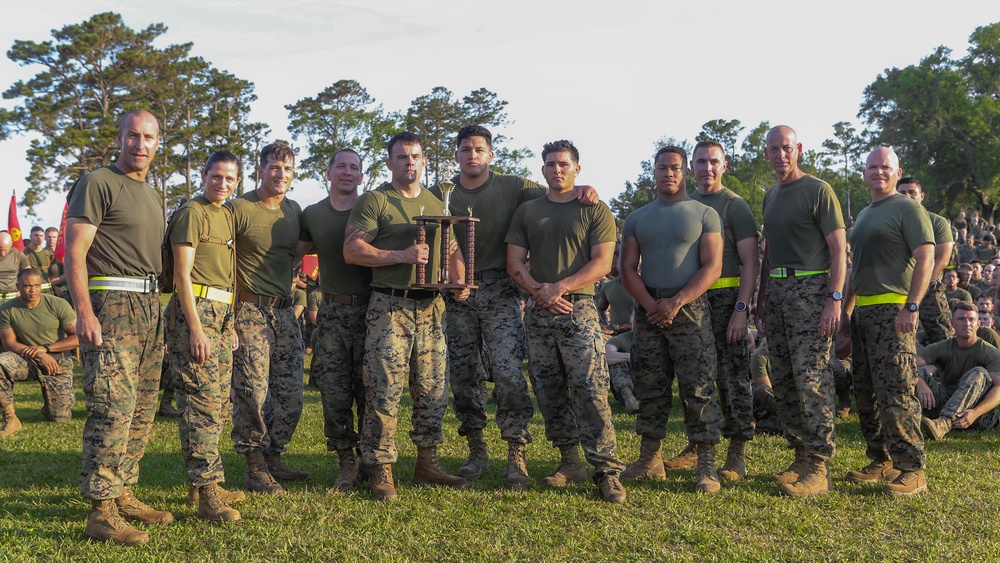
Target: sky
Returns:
[[613, 77]]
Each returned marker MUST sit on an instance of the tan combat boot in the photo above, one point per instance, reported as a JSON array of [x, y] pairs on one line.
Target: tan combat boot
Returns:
[[571, 470], [707, 480], [429, 472], [479, 461], [348, 475], [383, 484], [211, 507], [135, 510], [934, 428], [259, 480], [516, 476], [736, 464], [105, 524], [877, 470], [649, 465], [798, 467], [815, 480], [684, 460], [228, 497], [611, 489], [631, 404], [277, 468], [11, 424], [907, 483]]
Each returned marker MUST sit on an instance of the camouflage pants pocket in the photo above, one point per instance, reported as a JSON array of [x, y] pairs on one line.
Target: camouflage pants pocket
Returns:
[[100, 364]]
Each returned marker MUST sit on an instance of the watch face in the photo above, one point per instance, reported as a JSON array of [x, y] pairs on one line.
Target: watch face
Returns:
[[912, 307], [836, 295], [741, 306]]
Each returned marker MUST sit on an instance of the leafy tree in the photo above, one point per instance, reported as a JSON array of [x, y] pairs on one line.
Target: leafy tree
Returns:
[[943, 117], [848, 147], [643, 190], [343, 115]]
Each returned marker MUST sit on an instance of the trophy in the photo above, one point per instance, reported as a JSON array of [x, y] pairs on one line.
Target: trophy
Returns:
[[442, 276]]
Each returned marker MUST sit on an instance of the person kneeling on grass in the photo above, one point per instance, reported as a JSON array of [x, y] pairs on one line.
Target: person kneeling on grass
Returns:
[[964, 390]]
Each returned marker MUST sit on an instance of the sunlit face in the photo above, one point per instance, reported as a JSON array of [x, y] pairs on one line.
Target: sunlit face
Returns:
[[966, 323], [406, 163], [709, 166], [220, 181], [911, 191], [985, 318], [139, 137], [276, 176], [988, 271], [37, 239], [782, 150], [30, 288], [668, 171], [560, 170], [345, 173], [51, 238], [474, 156], [882, 171]]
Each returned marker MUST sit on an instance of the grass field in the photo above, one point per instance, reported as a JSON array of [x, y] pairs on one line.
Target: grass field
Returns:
[[42, 515]]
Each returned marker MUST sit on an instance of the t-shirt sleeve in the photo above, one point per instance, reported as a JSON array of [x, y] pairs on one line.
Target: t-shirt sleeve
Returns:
[[23, 261], [304, 234], [516, 234], [942, 232], [742, 220], [628, 229], [188, 224], [64, 312], [529, 191], [829, 214], [301, 300], [89, 199], [365, 214], [919, 232], [934, 353], [5, 317], [604, 225], [710, 222]]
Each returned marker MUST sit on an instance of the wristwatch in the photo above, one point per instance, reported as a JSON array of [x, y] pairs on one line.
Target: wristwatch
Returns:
[[48, 348], [836, 295], [911, 307], [741, 305]]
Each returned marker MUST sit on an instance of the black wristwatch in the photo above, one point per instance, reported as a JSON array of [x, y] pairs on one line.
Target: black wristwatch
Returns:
[[48, 348], [836, 295], [911, 307], [741, 306]]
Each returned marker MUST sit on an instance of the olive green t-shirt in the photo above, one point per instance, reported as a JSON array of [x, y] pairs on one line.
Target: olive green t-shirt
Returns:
[[213, 262], [620, 301], [325, 226], [669, 237], [559, 236], [312, 303], [760, 363], [797, 218], [494, 204], [989, 336], [10, 265], [265, 244], [953, 361], [622, 342], [41, 325], [40, 260], [128, 215], [388, 216], [959, 294], [740, 220], [299, 298], [882, 243], [942, 231]]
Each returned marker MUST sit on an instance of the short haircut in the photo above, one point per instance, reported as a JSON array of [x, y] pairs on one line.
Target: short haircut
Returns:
[[474, 131], [278, 152], [561, 146], [673, 150], [965, 306], [910, 180], [361, 161], [25, 272], [405, 138], [224, 156], [138, 113], [707, 145], [37, 229], [51, 229]]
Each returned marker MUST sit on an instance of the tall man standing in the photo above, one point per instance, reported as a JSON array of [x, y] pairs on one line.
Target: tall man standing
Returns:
[[729, 299], [806, 261], [405, 341], [114, 227], [339, 349], [200, 332], [571, 247], [935, 315], [491, 317], [892, 245], [678, 243], [267, 366]]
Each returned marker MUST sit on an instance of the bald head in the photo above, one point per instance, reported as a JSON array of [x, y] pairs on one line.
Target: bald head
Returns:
[[782, 149], [6, 243], [139, 135], [882, 172], [782, 131]]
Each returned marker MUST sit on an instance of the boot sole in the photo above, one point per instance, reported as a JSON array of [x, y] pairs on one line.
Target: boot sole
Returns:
[[142, 541], [862, 480], [423, 483], [916, 491]]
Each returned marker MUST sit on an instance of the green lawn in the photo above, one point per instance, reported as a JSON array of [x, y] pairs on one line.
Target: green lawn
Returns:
[[42, 515]]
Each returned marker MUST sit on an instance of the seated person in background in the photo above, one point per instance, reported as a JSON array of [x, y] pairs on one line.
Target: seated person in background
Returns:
[[618, 352], [965, 280], [964, 390], [986, 330], [765, 410], [951, 289]]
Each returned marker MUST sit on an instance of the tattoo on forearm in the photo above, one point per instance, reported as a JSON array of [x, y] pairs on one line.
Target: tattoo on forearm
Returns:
[[354, 233]]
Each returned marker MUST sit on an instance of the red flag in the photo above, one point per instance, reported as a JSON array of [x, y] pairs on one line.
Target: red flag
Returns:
[[13, 225], [310, 266], [60, 250]]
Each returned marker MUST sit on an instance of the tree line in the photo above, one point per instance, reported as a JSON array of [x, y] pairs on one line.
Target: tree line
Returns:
[[941, 115]]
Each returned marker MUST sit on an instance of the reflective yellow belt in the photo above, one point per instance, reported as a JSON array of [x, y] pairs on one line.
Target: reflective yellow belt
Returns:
[[793, 273], [137, 285], [880, 299], [46, 285], [8, 295], [215, 294], [733, 281]]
